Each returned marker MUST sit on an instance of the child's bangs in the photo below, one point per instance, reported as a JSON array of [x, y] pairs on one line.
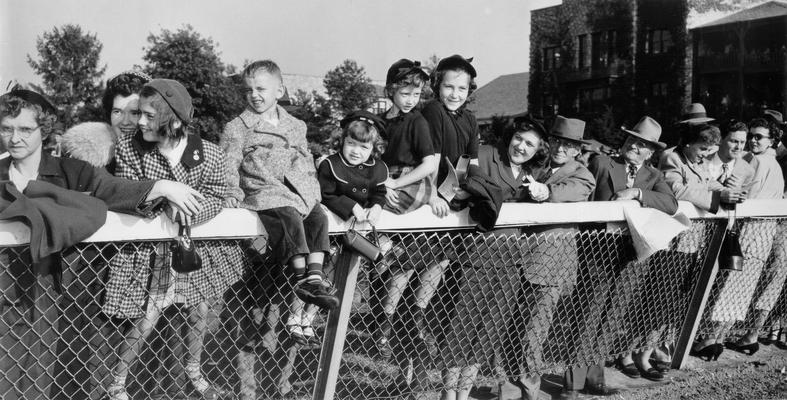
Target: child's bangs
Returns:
[[362, 132]]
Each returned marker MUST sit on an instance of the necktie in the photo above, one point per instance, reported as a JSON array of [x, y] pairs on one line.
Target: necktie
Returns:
[[632, 174], [724, 170]]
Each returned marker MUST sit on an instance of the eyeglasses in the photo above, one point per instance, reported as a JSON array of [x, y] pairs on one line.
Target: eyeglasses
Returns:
[[557, 142], [759, 137], [24, 131]]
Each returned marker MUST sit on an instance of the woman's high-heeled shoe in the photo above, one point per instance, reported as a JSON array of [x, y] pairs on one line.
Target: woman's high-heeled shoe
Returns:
[[710, 352], [748, 349]]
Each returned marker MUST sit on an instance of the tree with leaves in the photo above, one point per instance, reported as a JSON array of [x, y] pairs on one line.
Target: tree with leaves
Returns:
[[184, 55], [68, 63], [348, 88]]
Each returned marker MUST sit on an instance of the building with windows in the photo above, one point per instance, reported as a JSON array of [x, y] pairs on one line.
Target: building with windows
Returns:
[[609, 62], [739, 62]]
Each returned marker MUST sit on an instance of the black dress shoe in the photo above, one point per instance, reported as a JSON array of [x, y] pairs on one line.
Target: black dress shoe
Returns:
[[600, 390], [629, 370], [661, 366], [748, 349], [652, 374]]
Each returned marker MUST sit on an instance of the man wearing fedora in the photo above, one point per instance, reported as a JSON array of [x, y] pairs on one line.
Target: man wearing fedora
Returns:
[[626, 177]]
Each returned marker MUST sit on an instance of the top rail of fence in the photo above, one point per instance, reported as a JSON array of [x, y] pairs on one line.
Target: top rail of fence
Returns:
[[238, 223]]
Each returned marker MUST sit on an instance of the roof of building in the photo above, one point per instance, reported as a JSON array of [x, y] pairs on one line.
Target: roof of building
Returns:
[[761, 11], [505, 96]]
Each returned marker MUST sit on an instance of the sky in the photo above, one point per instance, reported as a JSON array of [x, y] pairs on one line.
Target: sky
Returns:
[[303, 37]]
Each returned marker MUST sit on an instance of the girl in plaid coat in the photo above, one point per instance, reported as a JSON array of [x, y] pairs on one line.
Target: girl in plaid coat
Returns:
[[141, 282]]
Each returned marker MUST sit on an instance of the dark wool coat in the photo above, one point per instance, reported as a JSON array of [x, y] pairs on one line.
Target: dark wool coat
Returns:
[[30, 296], [344, 185], [610, 176], [201, 167]]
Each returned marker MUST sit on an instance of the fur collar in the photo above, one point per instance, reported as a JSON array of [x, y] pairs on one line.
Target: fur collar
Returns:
[[92, 142]]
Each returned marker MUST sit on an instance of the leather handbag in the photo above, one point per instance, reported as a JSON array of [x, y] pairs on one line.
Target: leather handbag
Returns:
[[363, 245], [731, 254], [184, 254]]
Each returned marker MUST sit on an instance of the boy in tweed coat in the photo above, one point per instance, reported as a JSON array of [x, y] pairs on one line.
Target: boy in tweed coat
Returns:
[[271, 171]]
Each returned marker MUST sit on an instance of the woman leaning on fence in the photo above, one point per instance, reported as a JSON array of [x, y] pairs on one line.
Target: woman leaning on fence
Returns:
[[531, 267], [142, 283]]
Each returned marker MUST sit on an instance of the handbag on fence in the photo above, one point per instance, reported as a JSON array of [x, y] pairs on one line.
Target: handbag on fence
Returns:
[[184, 253], [731, 254], [361, 244]]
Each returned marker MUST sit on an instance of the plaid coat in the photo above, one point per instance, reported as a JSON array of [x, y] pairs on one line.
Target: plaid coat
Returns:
[[270, 166], [201, 167]]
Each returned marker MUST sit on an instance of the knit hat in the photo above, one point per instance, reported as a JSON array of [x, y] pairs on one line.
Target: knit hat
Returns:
[[176, 95]]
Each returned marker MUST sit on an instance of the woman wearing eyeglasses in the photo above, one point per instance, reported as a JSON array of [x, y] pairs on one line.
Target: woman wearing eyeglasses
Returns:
[[764, 137]]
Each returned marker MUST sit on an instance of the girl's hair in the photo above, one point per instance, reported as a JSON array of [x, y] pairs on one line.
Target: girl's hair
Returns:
[[12, 106], [166, 117], [125, 84], [701, 134], [365, 132], [412, 79], [539, 160], [262, 65], [773, 130], [439, 74]]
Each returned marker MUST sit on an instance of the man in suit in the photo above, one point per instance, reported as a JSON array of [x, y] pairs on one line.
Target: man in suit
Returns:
[[627, 177], [728, 166]]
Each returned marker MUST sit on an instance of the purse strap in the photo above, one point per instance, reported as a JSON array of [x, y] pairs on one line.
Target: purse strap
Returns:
[[375, 239], [184, 229]]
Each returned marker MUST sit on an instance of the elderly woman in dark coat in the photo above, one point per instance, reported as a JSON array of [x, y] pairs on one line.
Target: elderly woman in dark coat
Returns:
[[522, 284]]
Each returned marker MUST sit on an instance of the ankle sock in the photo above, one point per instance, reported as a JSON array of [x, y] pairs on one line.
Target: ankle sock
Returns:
[[314, 267]]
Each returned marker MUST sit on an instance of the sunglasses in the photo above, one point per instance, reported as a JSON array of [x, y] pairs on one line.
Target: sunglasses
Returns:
[[759, 137]]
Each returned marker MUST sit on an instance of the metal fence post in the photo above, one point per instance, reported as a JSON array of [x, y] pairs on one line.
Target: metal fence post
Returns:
[[345, 278], [699, 296]]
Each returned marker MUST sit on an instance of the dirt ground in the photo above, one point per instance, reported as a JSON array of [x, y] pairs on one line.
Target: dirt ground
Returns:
[[734, 376]]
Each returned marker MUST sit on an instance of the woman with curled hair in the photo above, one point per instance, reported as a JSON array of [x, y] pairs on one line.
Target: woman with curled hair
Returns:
[[94, 142], [526, 277]]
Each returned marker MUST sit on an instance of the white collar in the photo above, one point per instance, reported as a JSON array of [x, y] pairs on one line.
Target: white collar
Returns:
[[174, 154]]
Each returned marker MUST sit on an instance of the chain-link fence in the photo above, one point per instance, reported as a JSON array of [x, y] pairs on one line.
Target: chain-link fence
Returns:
[[751, 300], [442, 310]]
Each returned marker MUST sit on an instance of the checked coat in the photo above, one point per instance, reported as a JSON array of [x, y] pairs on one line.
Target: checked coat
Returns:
[[201, 167]]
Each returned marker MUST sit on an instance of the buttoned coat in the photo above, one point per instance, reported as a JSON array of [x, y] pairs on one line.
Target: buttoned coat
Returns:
[[691, 182], [610, 174], [202, 167], [344, 185], [270, 166]]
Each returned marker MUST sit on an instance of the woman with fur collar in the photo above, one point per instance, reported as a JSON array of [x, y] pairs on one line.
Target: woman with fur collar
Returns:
[[94, 142]]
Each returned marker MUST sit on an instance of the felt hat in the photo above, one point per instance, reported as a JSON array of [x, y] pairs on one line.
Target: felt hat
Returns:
[[365, 116], [402, 68], [695, 114], [774, 116], [648, 130], [176, 95], [569, 129], [457, 61], [31, 97]]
